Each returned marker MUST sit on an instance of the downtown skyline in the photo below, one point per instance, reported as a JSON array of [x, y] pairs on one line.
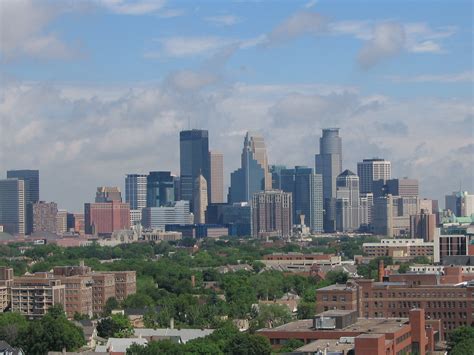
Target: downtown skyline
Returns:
[[400, 88]]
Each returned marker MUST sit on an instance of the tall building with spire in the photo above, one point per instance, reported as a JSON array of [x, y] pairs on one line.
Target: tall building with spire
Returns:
[[253, 175], [329, 164], [200, 199]]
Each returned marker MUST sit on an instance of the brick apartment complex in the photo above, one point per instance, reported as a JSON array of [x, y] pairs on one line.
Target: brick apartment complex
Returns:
[[272, 213], [104, 218], [344, 332], [77, 288], [447, 297]]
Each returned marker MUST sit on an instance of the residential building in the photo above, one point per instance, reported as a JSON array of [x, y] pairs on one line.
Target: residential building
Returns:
[[272, 213], [370, 170], [329, 164], [173, 213], [31, 193], [108, 194], [12, 206], [307, 190], [342, 332], [77, 295], [45, 216], [200, 199], [253, 175], [106, 217], [103, 288], [400, 249], [125, 284], [217, 177], [194, 161]]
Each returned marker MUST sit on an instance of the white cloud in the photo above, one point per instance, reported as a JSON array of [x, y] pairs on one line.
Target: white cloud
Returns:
[[462, 77], [187, 46], [23, 30], [135, 7], [310, 4], [223, 20], [388, 39]]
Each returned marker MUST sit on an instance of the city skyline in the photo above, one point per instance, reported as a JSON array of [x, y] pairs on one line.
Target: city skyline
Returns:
[[86, 101]]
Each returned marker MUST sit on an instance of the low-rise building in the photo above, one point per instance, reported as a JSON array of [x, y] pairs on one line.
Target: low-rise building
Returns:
[[400, 249]]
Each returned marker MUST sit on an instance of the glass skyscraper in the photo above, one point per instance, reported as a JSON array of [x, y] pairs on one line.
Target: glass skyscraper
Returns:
[[159, 188], [194, 161]]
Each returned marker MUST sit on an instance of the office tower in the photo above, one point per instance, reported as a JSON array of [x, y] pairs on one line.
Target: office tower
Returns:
[[217, 177], [272, 214], [31, 191], [79, 223], [347, 202], [402, 187], [136, 191], [370, 170], [104, 218], [460, 203], [252, 176], [391, 216], [200, 200], [159, 188], [12, 205], [61, 222], [108, 194], [174, 213], [423, 225], [275, 171], [329, 165], [307, 190], [44, 217], [238, 217], [194, 161], [366, 210]]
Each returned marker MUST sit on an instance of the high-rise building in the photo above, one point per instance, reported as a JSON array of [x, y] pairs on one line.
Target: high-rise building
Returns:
[[12, 205], [200, 200], [275, 170], [391, 216], [31, 193], [61, 222], [460, 203], [159, 188], [329, 165], [217, 177], [104, 218], [252, 176], [44, 217], [174, 213], [402, 187], [108, 194], [194, 161], [347, 202], [370, 170], [272, 214], [423, 225], [307, 190], [136, 191]]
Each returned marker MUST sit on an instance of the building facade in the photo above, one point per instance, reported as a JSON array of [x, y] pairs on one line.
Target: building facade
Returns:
[[106, 218], [200, 199], [347, 202], [370, 170], [108, 194], [272, 214], [136, 191], [217, 177], [44, 216], [174, 213], [12, 206]]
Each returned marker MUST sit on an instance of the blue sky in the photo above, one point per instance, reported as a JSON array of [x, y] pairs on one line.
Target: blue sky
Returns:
[[97, 88]]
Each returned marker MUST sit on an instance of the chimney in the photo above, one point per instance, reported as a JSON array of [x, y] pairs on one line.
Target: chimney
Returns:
[[381, 270], [172, 323], [193, 281]]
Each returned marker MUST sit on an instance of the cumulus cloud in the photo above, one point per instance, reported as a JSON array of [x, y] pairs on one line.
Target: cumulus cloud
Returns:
[[187, 46], [23, 30]]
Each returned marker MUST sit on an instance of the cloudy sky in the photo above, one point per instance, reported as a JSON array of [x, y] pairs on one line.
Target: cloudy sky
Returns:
[[93, 90]]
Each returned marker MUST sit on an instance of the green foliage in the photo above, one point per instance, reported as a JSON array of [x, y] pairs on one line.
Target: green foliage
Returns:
[[464, 347], [370, 270], [248, 344], [115, 326], [138, 300], [53, 332], [291, 345], [306, 310], [11, 326], [339, 277], [270, 315], [459, 335], [110, 305]]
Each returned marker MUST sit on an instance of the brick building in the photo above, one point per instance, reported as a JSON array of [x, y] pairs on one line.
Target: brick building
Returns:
[[104, 218], [272, 213], [400, 249], [343, 329], [447, 297]]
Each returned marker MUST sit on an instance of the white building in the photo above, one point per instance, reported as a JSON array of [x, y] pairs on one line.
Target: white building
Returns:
[[175, 213]]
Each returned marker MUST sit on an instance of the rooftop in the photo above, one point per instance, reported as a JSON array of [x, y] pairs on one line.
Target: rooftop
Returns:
[[185, 334], [331, 344], [340, 287]]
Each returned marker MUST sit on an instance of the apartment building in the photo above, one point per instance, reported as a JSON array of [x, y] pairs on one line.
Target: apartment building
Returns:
[[125, 284], [400, 249], [103, 288]]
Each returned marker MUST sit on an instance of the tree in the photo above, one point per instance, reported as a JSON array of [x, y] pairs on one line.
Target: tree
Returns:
[[339, 277], [464, 347], [291, 345], [11, 326], [138, 300], [459, 335], [306, 310], [271, 315], [248, 344], [110, 305], [53, 332], [117, 326]]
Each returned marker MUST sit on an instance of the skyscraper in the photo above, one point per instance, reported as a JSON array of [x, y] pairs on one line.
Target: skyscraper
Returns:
[[12, 205], [45, 217], [31, 191], [159, 188], [347, 202], [194, 161], [251, 177], [370, 170], [272, 214], [402, 187], [135, 190], [200, 200], [329, 165], [108, 194], [217, 177], [460, 203], [307, 190]]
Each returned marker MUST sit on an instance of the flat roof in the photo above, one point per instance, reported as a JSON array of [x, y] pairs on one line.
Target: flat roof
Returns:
[[340, 287], [330, 344], [363, 325]]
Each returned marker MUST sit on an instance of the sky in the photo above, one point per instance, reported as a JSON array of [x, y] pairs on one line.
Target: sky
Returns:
[[93, 90]]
